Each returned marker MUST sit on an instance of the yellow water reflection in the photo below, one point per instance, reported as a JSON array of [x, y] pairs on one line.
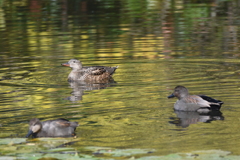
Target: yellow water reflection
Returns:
[[157, 46]]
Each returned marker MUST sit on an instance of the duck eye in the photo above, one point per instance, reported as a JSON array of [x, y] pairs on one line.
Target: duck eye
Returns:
[[73, 61]]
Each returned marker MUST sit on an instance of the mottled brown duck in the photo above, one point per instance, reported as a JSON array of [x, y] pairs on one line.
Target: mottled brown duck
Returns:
[[91, 73]]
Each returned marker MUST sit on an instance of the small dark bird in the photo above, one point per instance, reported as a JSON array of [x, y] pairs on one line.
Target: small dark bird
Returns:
[[51, 128], [91, 73], [199, 103]]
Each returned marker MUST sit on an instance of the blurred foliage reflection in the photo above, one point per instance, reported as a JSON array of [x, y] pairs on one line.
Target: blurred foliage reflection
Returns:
[[119, 28]]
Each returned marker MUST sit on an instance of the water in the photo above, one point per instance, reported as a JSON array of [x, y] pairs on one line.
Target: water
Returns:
[[155, 52]]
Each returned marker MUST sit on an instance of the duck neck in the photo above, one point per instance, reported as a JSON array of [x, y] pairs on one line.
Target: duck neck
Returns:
[[182, 96], [77, 67]]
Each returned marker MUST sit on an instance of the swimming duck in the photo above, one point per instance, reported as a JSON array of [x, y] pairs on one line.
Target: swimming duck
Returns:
[[51, 128], [199, 103], [91, 73]]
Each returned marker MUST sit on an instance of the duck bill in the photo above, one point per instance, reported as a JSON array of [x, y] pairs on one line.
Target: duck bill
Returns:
[[29, 133], [171, 96], [66, 64]]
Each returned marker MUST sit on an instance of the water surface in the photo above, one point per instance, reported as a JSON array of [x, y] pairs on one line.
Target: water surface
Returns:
[[156, 49]]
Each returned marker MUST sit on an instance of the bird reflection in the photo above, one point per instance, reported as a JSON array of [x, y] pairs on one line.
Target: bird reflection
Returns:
[[184, 119], [80, 86]]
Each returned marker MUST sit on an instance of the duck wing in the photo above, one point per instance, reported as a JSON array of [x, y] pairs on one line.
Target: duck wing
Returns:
[[210, 99], [197, 100], [214, 103], [99, 70], [61, 122], [94, 70], [65, 123], [204, 102]]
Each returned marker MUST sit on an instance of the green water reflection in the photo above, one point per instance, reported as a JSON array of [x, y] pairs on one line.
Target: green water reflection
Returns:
[[118, 29]]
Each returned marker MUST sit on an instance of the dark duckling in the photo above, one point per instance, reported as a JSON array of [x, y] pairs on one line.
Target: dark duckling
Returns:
[[51, 128], [199, 103], [91, 73]]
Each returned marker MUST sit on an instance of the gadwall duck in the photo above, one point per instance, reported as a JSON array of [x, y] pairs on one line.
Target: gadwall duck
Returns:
[[51, 128], [91, 73], [199, 103]]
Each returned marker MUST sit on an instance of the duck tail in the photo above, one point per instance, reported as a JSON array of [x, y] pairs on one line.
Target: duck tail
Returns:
[[215, 103], [111, 70], [74, 124]]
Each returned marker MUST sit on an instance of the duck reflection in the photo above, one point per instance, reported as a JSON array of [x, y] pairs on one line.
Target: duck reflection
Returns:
[[80, 86], [184, 119]]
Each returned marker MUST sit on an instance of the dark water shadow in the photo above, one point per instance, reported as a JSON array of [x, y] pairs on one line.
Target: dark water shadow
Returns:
[[185, 119], [80, 86]]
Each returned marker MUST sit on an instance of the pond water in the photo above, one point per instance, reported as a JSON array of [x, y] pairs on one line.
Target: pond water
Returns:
[[157, 46]]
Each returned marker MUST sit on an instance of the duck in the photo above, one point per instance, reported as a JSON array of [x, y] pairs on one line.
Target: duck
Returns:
[[199, 103], [51, 128], [90, 73]]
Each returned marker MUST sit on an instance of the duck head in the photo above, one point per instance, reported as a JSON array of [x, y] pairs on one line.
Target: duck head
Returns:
[[34, 127], [179, 92], [74, 64]]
